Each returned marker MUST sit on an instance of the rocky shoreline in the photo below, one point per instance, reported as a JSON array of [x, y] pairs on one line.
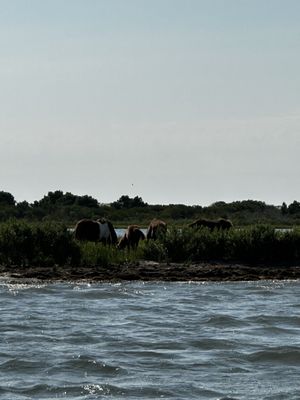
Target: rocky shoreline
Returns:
[[153, 271]]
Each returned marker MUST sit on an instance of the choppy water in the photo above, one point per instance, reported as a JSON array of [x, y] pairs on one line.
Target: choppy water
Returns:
[[150, 341]]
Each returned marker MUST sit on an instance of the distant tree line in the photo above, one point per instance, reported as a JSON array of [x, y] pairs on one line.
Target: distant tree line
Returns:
[[69, 208]]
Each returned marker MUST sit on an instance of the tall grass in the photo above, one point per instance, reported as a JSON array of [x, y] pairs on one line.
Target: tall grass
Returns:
[[99, 254], [26, 244], [260, 243], [45, 244]]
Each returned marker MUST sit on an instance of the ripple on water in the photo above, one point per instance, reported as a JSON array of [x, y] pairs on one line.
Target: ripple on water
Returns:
[[282, 355], [224, 321], [149, 341], [20, 366], [89, 365]]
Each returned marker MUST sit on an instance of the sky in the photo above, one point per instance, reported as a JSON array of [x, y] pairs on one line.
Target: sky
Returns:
[[175, 101]]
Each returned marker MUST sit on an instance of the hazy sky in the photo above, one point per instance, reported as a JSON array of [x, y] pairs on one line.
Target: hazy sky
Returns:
[[176, 101]]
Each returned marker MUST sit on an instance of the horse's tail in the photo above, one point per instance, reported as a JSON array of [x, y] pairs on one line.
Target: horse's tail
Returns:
[[113, 234]]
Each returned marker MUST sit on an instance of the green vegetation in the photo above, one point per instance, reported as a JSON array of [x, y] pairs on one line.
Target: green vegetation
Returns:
[[48, 244], [43, 244], [255, 244], [38, 234], [69, 208]]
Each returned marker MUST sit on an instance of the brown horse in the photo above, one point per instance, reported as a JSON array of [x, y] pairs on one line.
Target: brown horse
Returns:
[[131, 237], [100, 230], [156, 228], [220, 223]]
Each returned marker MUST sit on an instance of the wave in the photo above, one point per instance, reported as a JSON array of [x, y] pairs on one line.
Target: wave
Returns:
[[282, 355], [149, 341], [89, 365], [224, 321]]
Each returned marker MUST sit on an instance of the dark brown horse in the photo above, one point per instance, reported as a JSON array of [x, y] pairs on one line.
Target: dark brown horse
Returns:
[[156, 228], [220, 223], [96, 231], [131, 237]]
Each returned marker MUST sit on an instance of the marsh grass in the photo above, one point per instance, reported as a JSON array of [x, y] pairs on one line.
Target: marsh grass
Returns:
[[45, 244], [24, 244], [99, 254], [258, 243]]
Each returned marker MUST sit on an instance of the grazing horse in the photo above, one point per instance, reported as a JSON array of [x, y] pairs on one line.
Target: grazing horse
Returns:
[[131, 237], [221, 223], [155, 228], [100, 230]]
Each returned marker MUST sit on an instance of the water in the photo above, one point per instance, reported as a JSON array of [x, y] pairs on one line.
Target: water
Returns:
[[120, 231], [150, 341]]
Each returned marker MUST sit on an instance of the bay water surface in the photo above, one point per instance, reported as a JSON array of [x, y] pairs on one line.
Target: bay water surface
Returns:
[[150, 340]]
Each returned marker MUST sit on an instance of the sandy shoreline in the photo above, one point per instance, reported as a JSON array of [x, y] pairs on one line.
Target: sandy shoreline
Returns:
[[152, 271]]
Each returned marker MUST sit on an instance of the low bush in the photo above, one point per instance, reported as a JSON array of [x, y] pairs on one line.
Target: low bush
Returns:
[[25, 244]]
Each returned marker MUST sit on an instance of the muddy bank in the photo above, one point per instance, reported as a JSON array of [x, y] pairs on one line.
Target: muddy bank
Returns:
[[152, 271]]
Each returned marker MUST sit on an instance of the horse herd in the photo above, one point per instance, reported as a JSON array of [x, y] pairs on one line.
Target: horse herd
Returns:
[[102, 230]]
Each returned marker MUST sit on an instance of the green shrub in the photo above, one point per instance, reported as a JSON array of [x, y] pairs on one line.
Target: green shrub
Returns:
[[153, 250], [48, 243], [16, 243], [26, 244], [254, 244]]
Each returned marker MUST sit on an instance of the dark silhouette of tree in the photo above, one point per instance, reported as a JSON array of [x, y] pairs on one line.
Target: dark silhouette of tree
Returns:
[[138, 202], [128, 202], [7, 198], [51, 198], [22, 209], [87, 201], [294, 207], [284, 209], [69, 208], [58, 198]]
